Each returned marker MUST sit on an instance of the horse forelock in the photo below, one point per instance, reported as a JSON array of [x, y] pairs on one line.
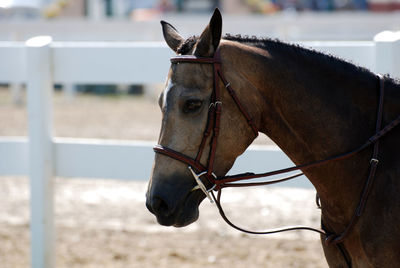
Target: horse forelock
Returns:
[[187, 46]]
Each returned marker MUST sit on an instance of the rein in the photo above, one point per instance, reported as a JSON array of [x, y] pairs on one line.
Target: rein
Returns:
[[215, 183]]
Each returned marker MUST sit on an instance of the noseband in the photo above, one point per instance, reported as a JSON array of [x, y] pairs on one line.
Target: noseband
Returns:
[[218, 183]]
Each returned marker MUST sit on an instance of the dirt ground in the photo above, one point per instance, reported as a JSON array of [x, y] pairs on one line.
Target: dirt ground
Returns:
[[104, 223]]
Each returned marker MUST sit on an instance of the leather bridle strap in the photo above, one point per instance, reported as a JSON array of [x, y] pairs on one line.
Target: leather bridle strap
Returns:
[[270, 231], [178, 156], [232, 93], [333, 238]]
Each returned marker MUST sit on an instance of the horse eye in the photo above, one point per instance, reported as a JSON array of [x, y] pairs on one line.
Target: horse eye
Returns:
[[192, 105]]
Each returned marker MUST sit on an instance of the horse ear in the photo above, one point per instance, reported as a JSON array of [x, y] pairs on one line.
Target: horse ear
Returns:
[[211, 36], [171, 36]]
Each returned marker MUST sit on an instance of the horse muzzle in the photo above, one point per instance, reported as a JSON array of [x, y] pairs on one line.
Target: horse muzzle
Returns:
[[174, 208]]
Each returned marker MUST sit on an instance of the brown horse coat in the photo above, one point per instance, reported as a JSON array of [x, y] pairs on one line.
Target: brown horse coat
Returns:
[[312, 106]]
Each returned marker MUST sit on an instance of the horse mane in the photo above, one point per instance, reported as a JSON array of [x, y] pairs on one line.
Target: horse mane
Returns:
[[294, 50], [290, 50], [298, 51]]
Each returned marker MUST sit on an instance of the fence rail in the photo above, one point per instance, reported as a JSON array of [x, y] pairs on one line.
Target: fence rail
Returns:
[[117, 159], [92, 62], [39, 63]]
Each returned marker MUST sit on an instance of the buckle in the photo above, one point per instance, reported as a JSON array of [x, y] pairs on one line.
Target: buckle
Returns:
[[200, 184], [374, 160], [215, 104]]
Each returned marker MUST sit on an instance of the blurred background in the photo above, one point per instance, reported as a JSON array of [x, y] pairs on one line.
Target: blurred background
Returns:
[[104, 223], [138, 20], [145, 10]]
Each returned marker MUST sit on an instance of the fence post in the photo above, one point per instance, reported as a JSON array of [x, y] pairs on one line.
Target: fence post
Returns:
[[39, 99], [96, 9], [16, 93], [119, 9], [69, 91], [387, 54]]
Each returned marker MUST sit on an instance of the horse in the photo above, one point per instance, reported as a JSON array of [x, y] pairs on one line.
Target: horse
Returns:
[[312, 105]]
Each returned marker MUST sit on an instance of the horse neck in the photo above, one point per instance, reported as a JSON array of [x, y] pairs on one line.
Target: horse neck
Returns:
[[315, 107]]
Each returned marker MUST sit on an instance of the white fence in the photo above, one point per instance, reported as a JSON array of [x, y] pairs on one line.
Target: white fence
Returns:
[[40, 63]]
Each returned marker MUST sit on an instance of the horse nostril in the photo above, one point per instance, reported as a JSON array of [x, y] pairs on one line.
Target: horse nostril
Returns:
[[160, 207]]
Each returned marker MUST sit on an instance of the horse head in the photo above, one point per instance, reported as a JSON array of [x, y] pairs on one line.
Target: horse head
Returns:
[[185, 104]]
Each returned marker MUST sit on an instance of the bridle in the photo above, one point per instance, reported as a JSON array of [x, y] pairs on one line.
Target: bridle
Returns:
[[218, 183], [212, 126]]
